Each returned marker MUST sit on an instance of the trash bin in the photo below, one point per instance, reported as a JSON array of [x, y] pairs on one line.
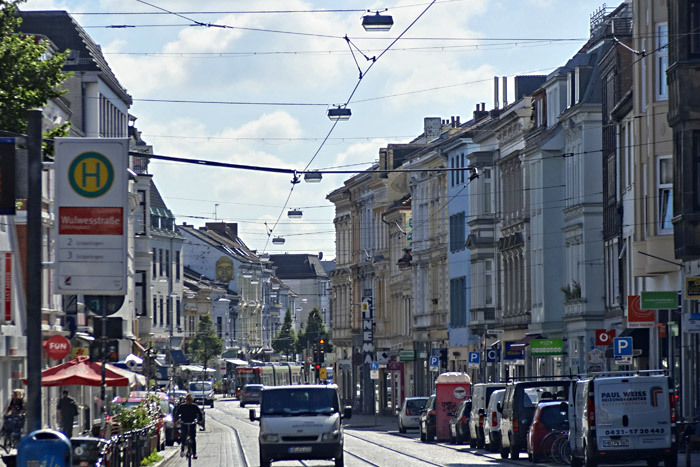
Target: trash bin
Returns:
[[44, 447]]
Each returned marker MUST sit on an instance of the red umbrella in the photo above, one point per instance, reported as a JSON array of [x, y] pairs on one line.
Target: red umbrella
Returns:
[[81, 371]]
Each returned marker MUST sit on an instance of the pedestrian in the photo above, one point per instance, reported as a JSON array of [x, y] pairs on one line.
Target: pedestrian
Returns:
[[67, 409], [15, 413]]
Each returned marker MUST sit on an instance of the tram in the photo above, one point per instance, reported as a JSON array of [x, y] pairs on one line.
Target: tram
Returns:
[[275, 374]]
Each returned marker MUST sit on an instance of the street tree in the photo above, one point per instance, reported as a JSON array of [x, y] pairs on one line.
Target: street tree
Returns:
[[313, 333], [285, 340], [29, 76], [206, 343]]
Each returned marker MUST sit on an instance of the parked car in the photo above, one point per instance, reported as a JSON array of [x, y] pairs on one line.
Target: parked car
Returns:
[[409, 414], [519, 403], [492, 424], [203, 392], [172, 434], [250, 394], [481, 392], [459, 423], [428, 419], [157, 410], [87, 450], [549, 416], [622, 419]]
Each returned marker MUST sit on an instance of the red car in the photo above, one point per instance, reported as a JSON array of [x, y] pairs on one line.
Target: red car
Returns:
[[549, 416]]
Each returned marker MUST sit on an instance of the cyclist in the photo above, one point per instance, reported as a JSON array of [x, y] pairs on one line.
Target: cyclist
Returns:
[[189, 413], [15, 414]]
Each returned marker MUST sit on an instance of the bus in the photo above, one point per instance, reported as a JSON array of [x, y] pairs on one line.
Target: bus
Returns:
[[275, 374]]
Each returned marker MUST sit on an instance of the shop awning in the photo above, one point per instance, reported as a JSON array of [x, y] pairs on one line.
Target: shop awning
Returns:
[[524, 342], [236, 361], [178, 357]]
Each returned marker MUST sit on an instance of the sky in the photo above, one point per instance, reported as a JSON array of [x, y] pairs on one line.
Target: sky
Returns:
[[255, 86]]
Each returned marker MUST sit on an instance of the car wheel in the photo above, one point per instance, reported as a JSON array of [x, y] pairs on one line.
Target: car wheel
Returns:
[[473, 443], [430, 436], [504, 453], [514, 453], [576, 462], [340, 460], [588, 460], [242, 404], [422, 434], [169, 441], [672, 460], [212, 404], [652, 462], [402, 429], [264, 461]]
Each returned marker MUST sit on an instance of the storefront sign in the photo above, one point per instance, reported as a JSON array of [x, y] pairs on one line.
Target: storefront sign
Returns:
[[407, 355], [542, 347], [659, 300], [692, 288], [509, 354], [636, 317]]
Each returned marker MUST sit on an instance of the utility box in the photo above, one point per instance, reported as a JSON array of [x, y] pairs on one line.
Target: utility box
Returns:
[[44, 447], [451, 389]]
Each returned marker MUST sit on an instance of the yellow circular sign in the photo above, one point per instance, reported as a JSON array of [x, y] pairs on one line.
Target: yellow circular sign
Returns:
[[91, 174]]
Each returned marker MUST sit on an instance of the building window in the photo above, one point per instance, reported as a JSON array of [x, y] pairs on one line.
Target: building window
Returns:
[[140, 220], [458, 302], [161, 259], [140, 294], [161, 309], [178, 313], [155, 311], [168, 266], [487, 192], [457, 232], [694, 20], [661, 61], [154, 259], [177, 265], [219, 326], [665, 193], [488, 282]]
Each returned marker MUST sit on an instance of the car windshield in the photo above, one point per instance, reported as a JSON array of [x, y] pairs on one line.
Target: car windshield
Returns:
[[200, 386], [416, 404], [252, 389], [299, 401]]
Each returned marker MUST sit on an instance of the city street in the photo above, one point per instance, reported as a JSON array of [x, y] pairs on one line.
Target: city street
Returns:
[[231, 439]]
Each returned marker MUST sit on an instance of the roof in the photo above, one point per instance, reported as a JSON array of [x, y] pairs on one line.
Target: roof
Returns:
[[298, 266], [225, 240], [66, 33]]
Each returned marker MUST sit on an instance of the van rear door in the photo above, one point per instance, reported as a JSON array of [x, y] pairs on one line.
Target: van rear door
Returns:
[[632, 413]]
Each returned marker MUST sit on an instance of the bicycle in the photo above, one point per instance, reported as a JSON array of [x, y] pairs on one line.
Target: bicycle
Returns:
[[552, 445], [187, 439], [11, 433], [561, 450]]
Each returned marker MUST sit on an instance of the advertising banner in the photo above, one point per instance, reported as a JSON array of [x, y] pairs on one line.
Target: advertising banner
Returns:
[[509, 354], [543, 347], [636, 317]]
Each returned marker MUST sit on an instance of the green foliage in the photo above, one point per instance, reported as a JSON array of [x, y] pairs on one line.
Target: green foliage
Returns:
[[206, 344], [28, 76], [315, 330], [285, 341], [133, 417], [152, 458]]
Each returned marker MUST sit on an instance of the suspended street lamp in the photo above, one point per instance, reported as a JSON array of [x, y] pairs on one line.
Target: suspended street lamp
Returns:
[[294, 214], [278, 241], [312, 177], [339, 113], [377, 22]]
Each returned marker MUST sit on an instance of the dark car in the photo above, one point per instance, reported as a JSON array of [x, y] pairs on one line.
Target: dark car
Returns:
[[459, 423], [87, 451], [428, 419], [519, 403], [549, 416], [250, 394]]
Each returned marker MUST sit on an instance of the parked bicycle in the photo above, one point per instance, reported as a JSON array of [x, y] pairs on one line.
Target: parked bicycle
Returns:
[[11, 432], [555, 445]]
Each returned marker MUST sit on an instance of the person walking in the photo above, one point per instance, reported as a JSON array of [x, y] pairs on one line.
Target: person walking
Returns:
[[67, 409], [189, 413]]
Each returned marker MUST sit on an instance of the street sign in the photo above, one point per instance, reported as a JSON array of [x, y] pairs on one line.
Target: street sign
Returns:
[[474, 358], [309, 359], [322, 373], [622, 346], [627, 360], [57, 347], [374, 365], [104, 305], [434, 361], [491, 355], [382, 358], [374, 374], [92, 208], [603, 337]]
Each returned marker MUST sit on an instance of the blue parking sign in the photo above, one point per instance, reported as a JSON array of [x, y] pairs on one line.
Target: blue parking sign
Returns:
[[622, 346], [491, 355], [434, 360], [474, 357]]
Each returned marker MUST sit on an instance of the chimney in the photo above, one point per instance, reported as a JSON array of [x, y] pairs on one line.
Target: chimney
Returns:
[[504, 80], [431, 127], [480, 113], [457, 120], [452, 121], [495, 92]]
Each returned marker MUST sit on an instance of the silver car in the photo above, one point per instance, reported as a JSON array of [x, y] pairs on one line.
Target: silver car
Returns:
[[409, 415]]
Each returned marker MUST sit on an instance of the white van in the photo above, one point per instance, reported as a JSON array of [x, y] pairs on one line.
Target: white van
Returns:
[[492, 421], [300, 422], [481, 393], [622, 419]]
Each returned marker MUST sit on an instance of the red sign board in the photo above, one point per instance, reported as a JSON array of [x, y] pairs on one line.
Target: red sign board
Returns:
[[603, 337], [7, 287], [57, 347], [90, 221], [636, 317]]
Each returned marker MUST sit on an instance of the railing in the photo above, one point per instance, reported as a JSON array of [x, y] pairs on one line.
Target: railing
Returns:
[[128, 449]]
